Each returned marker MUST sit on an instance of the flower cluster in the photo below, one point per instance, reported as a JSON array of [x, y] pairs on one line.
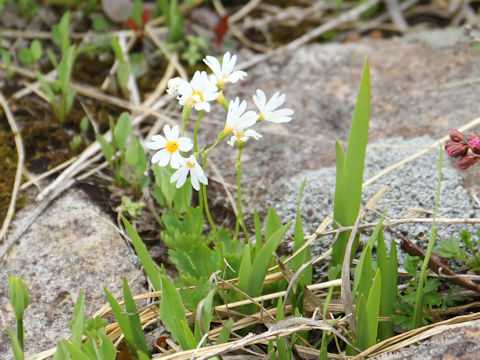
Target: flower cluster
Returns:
[[197, 94], [467, 150], [170, 147]]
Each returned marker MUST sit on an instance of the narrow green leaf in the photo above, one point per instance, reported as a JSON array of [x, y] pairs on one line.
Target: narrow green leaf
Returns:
[[262, 260], [339, 206], [373, 309], [273, 223], [137, 339], [150, 268], [173, 317], [258, 231], [61, 353], [225, 333], [17, 349], [107, 149], [389, 269], [107, 349], [46, 88], [123, 74], [245, 271], [65, 69], [207, 312], [299, 239], [118, 312], [123, 129], [117, 49], [76, 351], [365, 272], [281, 343], [78, 318]]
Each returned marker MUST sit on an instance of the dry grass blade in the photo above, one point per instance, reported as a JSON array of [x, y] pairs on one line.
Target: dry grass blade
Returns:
[[281, 329], [20, 160]]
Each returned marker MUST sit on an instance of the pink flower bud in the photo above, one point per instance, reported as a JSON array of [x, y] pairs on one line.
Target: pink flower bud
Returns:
[[467, 161], [475, 145], [455, 149], [455, 135], [472, 135]]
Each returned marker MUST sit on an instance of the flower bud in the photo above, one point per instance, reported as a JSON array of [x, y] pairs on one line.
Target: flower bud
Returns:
[[455, 149], [467, 161], [472, 135], [455, 135], [475, 145]]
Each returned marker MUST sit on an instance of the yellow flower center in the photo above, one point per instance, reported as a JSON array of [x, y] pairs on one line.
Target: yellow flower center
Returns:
[[172, 146], [261, 117], [239, 135], [190, 165]]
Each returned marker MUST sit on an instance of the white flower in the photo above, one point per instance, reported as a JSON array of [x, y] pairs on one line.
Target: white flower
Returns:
[[173, 85], [237, 118], [267, 109], [170, 146], [191, 166], [224, 73], [196, 93], [241, 135]]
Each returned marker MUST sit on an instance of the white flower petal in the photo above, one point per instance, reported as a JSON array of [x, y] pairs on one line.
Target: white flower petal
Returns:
[[167, 131], [259, 99], [237, 75], [176, 160], [184, 144], [162, 157], [194, 181], [174, 133]]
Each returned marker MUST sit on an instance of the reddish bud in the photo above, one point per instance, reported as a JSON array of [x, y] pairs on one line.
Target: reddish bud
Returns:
[[455, 149], [455, 135], [467, 161], [472, 135], [475, 145]]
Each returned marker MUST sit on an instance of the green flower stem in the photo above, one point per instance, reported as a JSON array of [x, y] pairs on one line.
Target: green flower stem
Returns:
[[240, 219], [187, 207], [20, 333], [185, 116], [418, 312], [195, 131], [204, 202]]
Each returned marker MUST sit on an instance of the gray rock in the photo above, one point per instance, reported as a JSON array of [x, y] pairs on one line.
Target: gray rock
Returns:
[[70, 247], [412, 190]]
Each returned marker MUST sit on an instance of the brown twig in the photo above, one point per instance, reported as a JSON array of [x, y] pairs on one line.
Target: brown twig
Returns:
[[438, 264]]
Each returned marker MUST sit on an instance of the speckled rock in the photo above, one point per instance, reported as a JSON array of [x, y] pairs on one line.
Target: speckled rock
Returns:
[[70, 247]]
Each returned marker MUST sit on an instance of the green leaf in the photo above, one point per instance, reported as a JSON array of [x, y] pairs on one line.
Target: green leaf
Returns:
[[123, 129], [76, 351], [107, 149], [137, 339], [16, 347], [117, 49], [78, 318], [388, 267], [273, 223], [136, 14], [299, 239], [367, 315], [367, 252], [25, 56], [207, 312], [36, 50], [225, 333], [245, 271], [173, 317], [65, 69], [123, 74], [258, 231], [281, 343], [61, 353], [340, 207], [107, 349], [150, 268], [352, 175], [259, 268]]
